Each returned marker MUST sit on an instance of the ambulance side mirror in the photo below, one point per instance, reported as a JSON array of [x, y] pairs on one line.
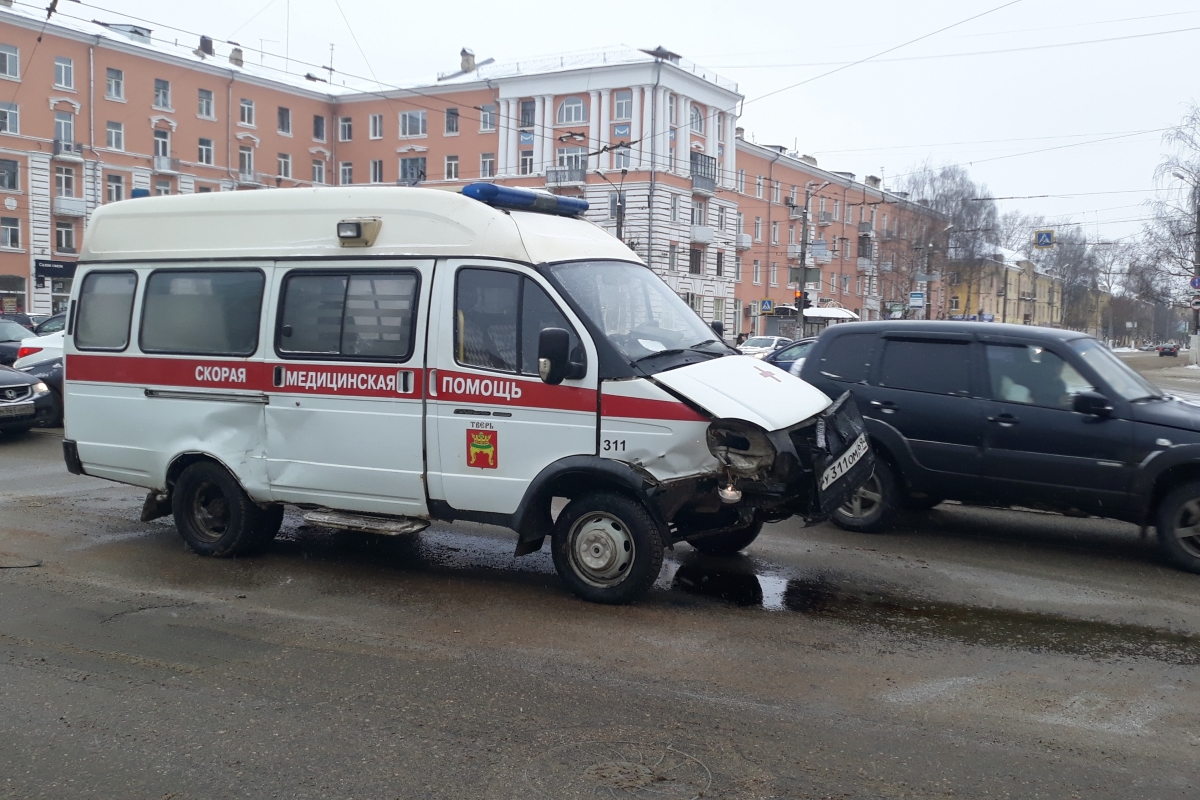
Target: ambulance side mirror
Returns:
[[554, 357]]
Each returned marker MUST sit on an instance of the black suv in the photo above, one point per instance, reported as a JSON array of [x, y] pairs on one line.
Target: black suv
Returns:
[[1010, 414]]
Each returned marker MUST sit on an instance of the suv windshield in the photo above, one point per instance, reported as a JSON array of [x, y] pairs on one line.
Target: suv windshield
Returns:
[[632, 306], [1114, 372]]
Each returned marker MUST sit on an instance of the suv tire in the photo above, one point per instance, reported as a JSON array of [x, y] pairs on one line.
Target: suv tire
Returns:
[[872, 507], [1179, 512], [607, 548], [728, 543], [216, 517]]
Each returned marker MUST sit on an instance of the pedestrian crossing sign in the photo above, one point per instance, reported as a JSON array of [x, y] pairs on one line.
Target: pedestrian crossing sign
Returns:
[[1044, 239]]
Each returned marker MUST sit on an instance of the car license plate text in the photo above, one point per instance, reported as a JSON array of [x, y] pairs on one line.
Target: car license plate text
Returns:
[[844, 462]]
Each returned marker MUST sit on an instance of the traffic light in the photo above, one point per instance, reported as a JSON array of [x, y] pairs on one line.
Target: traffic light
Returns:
[[799, 298], [805, 303]]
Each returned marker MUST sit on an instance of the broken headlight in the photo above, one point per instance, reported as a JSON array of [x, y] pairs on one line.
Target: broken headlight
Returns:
[[743, 449]]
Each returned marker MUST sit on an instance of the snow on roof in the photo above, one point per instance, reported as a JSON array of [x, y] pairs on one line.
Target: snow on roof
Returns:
[[825, 312]]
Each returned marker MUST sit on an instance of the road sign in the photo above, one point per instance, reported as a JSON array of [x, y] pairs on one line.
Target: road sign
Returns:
[[766, 307], [916, 299], [1195, 282], [1043, 239], [1196, 303]]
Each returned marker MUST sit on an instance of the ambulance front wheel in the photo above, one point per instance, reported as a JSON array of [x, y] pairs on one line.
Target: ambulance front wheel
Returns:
[[607, 548], [216, 517]]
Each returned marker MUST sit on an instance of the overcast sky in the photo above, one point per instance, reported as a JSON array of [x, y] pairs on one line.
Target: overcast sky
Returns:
[[950, 98]]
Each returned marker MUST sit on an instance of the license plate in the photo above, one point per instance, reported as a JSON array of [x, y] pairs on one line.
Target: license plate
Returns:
[[18, 409], [845, 461]]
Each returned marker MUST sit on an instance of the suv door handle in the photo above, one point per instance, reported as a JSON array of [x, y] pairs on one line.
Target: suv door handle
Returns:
[[1004, 420], [887, 406]]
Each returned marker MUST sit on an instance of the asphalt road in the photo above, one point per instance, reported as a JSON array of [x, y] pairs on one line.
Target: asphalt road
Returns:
[[970, 653]]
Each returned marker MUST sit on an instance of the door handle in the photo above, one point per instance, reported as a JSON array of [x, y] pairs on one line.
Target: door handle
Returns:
[[1004, 420], [887, 406]]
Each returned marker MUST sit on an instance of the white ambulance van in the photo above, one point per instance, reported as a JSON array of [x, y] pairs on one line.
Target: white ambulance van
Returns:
[[383, 357]]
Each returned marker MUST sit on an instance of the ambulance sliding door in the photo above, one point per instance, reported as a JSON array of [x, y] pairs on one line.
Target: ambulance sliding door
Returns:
[[345, 417]]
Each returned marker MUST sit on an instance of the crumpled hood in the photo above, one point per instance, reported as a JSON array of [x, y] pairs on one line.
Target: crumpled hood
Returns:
[[745, 388], [1172, 413]]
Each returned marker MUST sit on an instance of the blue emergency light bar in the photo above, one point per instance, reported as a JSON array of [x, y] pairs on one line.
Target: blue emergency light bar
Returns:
[[525, 199]]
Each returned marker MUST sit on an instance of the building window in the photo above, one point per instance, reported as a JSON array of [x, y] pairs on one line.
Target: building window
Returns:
[[741, 181], [526, 164], [64, 236], [774, 233], [64, 73], [671, 108], [528, 111], [451, 168], [674, 208], [845, 284], [621, 157], [10, 118], [64, 181], [837, 207], [375, 126], [720, 127], [695, 262], [451, 121], [412, 170], [115, 137], [246, 160], [284, 162], [774, 274], [345, 129], [162, 143], [318, 129], [697, 120], [412, 124], [720, 263], [487, 118], [10, 232], [699, 212], [10, 61], [10, 175], [162, 188], [757, 273], [162, 94], [318, 171], [64, 126], [622, 104], [572, 157], [720, 218], [858, 286], [758, 187], [741, 223], [114, 85], [377, 170], [672, 256], [487, 165], [719, 309], [758, 229], [246, 115], [775, 192], [204, 104], [284, 122], [571, 111], [114, 186], [954, 303], [737, 268], [205, 155], [346, 173]]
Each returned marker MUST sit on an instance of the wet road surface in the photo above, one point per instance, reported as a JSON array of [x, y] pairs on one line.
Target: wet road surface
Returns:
[[969, 653]]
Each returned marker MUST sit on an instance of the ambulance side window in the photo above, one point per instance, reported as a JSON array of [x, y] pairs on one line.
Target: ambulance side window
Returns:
[[202, 312], [356, 315], [105, 310], [498, 317]]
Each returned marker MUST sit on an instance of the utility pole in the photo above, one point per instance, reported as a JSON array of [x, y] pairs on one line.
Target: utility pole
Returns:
[[1194, 344]]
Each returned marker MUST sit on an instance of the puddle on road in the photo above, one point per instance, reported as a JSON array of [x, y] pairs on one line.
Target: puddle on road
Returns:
[[747, 582]]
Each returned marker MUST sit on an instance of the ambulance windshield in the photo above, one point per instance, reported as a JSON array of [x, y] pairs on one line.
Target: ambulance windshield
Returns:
[[636, 310]]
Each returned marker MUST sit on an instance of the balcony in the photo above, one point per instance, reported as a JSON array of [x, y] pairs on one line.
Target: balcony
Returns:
[[70, 207], [867, 267], [703, 234], [71, 151], [824, 218], [794, 251], [742, 241], [166, 164], [704, 174], [252, 178], [866, 229], [795, 212], [565, 176], [820, 252]]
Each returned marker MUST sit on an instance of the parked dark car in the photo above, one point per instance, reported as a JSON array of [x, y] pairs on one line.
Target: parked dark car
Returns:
[[11, 334], [1168, 350], [25, 401], [1009, 414], [24, 320], [787, 356], [50, 373]]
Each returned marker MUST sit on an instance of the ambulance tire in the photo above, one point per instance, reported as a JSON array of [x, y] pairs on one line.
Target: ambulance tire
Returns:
[[607, 548], [728, 543], [216, 517]]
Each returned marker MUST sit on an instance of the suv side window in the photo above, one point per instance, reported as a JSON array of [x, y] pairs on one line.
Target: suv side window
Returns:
[[1032, 375], [934, 366], [849, 357]]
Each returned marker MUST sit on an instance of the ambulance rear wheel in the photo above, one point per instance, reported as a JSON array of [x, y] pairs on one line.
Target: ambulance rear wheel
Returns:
[[607, 548], [216, 517]]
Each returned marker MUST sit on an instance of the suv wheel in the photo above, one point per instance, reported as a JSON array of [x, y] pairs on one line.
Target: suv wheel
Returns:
[[728, 543], [1179, 526], [872, 507], [607, 548], [216, 517]]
